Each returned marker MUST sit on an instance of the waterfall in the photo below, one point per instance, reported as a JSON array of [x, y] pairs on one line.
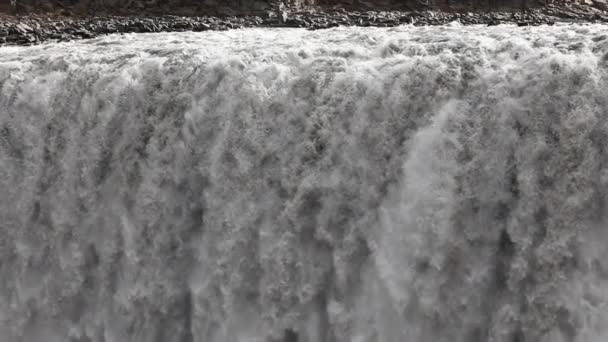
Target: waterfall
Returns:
[[412, 184]]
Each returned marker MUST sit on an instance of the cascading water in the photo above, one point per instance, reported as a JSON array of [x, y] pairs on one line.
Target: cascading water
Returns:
[[356, 184]]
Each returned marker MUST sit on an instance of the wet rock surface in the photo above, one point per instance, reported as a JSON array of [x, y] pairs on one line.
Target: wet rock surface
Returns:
[[34, 28]]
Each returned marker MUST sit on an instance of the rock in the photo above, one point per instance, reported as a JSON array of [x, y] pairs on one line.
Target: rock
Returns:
[[22, 27], [601, 4], [84, 34], [201, 27]]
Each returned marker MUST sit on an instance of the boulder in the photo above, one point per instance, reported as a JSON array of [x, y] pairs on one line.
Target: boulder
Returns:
[[600, 4]]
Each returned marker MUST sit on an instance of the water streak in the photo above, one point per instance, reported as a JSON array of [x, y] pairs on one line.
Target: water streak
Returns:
[[355, 184]]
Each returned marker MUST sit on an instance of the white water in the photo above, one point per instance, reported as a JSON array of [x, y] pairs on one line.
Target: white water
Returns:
[[443, 184]]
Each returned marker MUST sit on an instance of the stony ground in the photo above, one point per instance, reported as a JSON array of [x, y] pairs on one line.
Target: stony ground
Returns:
[[33, 29]]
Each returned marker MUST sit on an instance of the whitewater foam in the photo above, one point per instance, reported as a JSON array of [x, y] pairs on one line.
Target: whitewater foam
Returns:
[[417, 184]]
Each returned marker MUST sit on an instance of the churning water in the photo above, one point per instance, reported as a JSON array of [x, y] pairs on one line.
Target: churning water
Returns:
[[431, 184]]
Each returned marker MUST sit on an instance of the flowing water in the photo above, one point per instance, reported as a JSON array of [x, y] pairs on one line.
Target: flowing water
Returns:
[[430, 184]]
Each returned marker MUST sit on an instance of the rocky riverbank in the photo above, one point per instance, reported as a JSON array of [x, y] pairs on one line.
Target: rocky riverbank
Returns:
[[33, 28]]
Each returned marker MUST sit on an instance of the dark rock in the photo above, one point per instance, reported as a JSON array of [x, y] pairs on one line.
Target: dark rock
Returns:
[[84, 34], [199, 27]]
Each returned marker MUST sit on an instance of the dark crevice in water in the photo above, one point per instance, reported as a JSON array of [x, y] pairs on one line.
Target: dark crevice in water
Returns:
[[290, 336], [506, 251]]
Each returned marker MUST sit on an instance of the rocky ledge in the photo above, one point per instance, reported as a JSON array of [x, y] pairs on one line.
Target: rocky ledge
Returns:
[[33, 29]]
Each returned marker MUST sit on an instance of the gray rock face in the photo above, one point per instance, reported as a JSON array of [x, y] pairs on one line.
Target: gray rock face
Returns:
[[199, 7]]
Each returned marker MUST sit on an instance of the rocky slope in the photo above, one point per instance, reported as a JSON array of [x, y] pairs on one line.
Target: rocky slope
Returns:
[[153, 7], [27, 22], [256, 7], [32, 29]]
